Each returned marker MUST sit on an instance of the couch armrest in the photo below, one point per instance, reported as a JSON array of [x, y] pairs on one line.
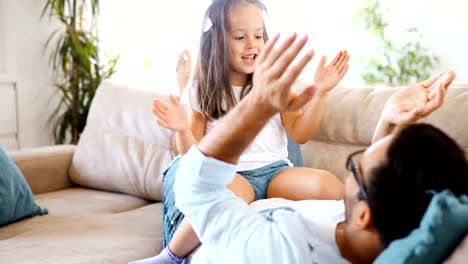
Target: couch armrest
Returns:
[[45, 168]]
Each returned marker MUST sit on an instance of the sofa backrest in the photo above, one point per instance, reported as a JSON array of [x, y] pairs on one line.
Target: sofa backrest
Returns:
[[351, 115], [122, 148]]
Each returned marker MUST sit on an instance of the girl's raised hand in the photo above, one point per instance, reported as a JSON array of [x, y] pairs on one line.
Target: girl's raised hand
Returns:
[[171, 115], [327, 77]]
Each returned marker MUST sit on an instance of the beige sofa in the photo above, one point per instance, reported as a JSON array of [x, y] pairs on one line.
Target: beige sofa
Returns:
[[104, 195]]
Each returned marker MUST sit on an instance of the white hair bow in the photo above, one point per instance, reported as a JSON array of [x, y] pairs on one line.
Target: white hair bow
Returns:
[[207, 24]]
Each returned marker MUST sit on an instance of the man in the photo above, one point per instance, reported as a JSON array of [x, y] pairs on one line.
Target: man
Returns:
[[385, 197]]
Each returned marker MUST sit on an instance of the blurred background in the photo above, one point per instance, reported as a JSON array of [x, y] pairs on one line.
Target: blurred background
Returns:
[[390, 42]]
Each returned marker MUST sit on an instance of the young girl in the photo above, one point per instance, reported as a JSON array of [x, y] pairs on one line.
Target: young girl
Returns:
[[233, 36]]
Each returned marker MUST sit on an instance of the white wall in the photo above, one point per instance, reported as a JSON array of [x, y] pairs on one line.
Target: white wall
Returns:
[[26, 66]]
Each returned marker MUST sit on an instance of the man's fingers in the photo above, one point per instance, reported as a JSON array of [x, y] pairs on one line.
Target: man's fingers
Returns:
[[264, 54], [448, 79], [277, 56], [287, 57], [293, 72], [436, 94], [436, 101], [302, 98], [427, 83]]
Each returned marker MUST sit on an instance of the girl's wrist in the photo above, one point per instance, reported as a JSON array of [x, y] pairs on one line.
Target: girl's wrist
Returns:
[[322, 92], [183, 131]]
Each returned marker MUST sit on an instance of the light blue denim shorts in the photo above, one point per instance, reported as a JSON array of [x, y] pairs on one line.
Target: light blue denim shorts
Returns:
[[260, 178], [172, 217]]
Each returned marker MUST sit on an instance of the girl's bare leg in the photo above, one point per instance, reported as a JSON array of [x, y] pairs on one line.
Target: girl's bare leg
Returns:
[[306, 183]]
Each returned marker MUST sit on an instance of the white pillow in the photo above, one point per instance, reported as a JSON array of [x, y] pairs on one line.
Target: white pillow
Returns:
[[122, 148]]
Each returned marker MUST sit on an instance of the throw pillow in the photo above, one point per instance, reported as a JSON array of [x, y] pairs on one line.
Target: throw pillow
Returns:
[[442, 228], [122, 148], [16, 198]]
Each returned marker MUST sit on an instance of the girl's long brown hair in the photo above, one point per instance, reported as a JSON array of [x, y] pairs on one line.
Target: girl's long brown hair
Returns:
[[214, 92]]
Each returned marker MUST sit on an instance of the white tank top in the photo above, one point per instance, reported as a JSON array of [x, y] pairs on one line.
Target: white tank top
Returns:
[[269, 146]]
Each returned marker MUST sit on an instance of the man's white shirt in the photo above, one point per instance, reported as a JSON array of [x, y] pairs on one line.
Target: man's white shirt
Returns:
[[233, 232]]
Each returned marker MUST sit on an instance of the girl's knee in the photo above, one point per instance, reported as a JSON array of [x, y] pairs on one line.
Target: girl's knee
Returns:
[[331, 187]]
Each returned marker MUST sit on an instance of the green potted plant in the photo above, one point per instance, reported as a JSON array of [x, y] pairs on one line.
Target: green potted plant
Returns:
[[76, 64], [396, 63]]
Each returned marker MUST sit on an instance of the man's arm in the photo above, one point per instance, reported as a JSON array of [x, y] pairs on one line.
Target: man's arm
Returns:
[[271, 93], [227, 227], [410, 104]]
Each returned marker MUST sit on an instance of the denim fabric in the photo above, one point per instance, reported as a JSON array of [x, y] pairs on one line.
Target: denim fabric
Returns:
[[171, 217], [294, 153], [260, 178]]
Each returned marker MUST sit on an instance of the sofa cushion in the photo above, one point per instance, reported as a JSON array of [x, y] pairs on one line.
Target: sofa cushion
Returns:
[[16, 198], [85, 226], [122, 148]]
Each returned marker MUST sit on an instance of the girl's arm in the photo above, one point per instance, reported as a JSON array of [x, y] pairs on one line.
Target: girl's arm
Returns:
[[302, 125], [188, 124], [193, 134]]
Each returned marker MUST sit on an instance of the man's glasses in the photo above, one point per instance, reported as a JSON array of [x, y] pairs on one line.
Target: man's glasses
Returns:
[[351, 162]]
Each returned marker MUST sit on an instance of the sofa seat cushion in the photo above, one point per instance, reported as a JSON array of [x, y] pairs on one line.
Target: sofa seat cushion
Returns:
[[85, 226]]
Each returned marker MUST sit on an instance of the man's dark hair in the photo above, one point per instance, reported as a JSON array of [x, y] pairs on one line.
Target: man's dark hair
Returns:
[[420, 159]]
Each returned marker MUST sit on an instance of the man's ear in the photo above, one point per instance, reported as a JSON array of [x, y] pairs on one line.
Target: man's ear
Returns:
[[362, 216]]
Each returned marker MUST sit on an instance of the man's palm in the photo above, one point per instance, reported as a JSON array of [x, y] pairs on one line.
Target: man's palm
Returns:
[[414, 102]]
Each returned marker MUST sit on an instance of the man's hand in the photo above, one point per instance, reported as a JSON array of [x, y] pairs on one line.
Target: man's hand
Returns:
[[271, 93], [410, 104], [327, 77], [274, 76], [171, 115], [414, 102]]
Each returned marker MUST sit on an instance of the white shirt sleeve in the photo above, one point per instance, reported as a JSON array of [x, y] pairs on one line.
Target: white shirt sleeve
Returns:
[[231, 231]]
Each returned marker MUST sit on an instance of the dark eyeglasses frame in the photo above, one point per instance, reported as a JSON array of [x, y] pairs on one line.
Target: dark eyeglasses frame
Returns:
[[350, 166]]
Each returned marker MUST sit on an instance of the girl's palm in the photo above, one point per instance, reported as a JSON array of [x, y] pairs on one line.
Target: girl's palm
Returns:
[[171, 115], [327, 77]]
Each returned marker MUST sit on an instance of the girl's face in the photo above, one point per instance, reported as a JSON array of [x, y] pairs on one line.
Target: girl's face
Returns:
[[245, 40]]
